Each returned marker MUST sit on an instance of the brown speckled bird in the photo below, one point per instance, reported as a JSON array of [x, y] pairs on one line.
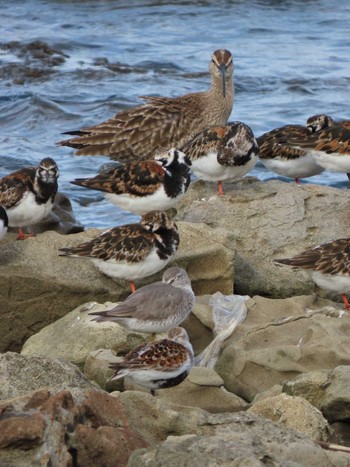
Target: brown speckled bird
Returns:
[[222, 152], [287, 161], [147, 185], [132, 251], [159, 364], [330, 147], [328, 265], [28, 194], [161, 122]]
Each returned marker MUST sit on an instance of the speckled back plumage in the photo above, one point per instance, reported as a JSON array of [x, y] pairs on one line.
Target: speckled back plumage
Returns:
[[234, 143], [335, 139], [143, 178], [164, 354], [158, 364], [161, 122], [329, 258], [132, 242], [273, 144]]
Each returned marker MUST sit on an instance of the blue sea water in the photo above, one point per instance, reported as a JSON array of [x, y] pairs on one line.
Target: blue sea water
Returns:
[[291, 61]]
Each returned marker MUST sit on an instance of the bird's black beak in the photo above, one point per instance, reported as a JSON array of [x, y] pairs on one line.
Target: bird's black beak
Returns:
[[222, 68]]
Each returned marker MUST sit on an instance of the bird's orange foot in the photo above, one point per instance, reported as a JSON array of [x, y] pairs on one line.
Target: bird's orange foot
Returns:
[[346, 303], [220, 189], [23, 236], [132, 286]]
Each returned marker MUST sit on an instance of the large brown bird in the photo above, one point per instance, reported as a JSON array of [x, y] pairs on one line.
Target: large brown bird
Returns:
[[161, 122]]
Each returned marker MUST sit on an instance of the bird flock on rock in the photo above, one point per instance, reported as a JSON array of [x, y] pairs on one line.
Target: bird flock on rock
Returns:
[[160, 144]]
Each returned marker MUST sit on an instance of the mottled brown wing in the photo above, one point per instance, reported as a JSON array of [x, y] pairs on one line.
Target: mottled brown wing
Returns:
[[165, 355], [154, 301], [238, 145], [134, 134], [273, 143], [333, 139], [14, 186], [211, 139], [139, 178], [329, 258], [131, 243]]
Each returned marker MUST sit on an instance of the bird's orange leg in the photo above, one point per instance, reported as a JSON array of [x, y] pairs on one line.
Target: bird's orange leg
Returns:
[[220, 189], [346, 303], [23, 236], [132, 286]]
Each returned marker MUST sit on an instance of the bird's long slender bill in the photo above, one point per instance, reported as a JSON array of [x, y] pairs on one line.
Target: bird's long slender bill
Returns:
[[223, 74]]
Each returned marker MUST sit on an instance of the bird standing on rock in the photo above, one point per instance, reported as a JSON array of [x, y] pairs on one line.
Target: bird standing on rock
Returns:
[[131, 251], [222, 152], [161, 122], [147, 185], [328, 265], [330, 147], [159, 364], [29, 193], [156, 307], [276, 154]]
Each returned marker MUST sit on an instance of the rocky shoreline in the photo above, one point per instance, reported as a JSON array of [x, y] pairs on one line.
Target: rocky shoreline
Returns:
[[280, 384]]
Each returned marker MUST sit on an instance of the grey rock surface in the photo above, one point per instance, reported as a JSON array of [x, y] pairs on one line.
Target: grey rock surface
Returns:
[[281, 339], [328, 390], [272, 219]]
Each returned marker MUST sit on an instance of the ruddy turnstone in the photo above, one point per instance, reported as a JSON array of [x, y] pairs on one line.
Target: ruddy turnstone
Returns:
[[222, 152], [159, 364], [132, 251], [4, 222], [330, 147], [161, 122], [144, 185], [328, 265], [284, 160], [156, 307], [28, 194]]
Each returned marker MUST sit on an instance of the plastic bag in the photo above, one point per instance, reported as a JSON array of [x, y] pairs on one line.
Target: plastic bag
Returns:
[[228, 312]]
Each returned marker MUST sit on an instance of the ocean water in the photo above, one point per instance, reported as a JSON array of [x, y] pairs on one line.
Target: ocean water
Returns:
[[68, 64]]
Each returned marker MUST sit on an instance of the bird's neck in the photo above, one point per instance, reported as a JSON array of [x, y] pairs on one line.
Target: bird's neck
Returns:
[[222, 104]]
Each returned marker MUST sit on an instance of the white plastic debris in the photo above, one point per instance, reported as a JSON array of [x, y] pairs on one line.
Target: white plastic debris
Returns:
[[228, 312]]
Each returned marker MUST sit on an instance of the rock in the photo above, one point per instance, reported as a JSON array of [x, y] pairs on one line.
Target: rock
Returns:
[[207, 253], [61, 218], [22, 432], [203, 388], [203, 311], [37, 287], [75, 335], [239, 439], [296, 413], [279, 340], [60, 429], [275, 390], [51, 415], [159, 418], [341, 433], [32, 273], [328, 390], [272, 219], [97, 369], [20, 374], [309, 385]]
